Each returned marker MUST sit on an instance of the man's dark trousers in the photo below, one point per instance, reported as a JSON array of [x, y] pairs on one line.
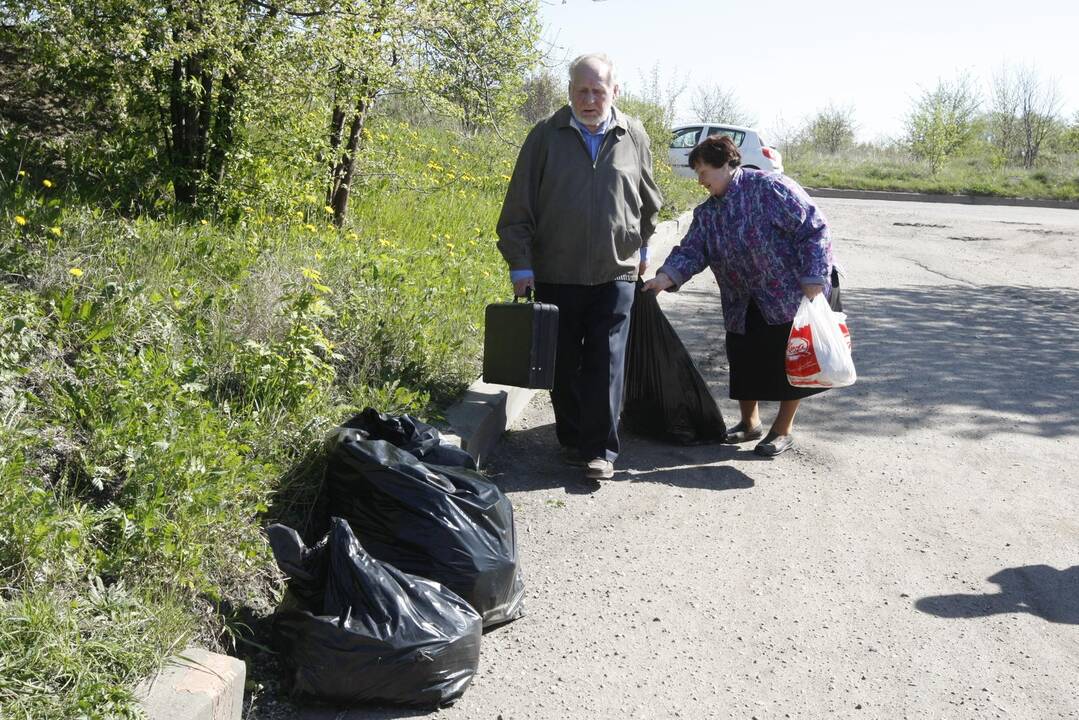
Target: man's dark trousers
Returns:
[[593, 324]]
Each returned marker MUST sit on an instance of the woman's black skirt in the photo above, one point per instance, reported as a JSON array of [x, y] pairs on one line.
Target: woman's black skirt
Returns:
[[758, 361]]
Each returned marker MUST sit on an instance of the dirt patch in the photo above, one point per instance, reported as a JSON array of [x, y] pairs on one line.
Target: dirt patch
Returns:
[[928, 225]]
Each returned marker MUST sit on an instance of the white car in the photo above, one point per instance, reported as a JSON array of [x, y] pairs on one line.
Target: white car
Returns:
[[756, 153]]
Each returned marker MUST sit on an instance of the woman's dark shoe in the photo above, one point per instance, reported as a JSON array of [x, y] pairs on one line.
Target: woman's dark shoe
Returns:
[[739, 433], [774, 444]]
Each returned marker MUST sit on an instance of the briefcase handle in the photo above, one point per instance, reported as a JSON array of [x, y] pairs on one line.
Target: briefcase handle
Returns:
[[529, 296]]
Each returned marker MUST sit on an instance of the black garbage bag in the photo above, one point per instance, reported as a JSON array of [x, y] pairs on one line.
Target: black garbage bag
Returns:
[[447, 524], [354, 629], [408, 433], [666, 398]]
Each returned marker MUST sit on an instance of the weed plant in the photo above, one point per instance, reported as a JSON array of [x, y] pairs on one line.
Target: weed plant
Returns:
[[166, 383]]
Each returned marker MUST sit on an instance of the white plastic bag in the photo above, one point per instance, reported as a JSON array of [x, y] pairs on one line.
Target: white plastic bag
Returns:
[[818, 349]]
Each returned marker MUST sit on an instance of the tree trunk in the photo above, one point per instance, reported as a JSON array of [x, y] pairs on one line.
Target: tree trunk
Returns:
[[180, 142], [337, 126], [345, 167], [223, 133]]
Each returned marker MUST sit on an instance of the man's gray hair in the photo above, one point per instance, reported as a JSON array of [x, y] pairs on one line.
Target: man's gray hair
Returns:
[[600, 57]]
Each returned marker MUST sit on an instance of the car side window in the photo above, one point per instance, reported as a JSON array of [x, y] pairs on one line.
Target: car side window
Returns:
[[685, 138], [736, 135]]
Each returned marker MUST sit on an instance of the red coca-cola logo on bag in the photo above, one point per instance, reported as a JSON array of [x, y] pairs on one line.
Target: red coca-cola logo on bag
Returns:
[[801, 360]]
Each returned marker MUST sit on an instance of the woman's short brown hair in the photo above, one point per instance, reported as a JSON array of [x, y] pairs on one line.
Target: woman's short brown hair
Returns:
[[717, 151]]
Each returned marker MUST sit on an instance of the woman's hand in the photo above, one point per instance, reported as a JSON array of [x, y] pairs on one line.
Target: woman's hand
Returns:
[[812, 290], [658, 284]]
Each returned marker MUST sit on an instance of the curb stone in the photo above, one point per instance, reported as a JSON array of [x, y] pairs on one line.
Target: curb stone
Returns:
[[928, 197], [480, 417], [195, 685]]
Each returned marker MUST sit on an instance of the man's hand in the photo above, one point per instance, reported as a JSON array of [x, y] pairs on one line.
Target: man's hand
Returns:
[[520, 287], [812, 290], [658, 284]]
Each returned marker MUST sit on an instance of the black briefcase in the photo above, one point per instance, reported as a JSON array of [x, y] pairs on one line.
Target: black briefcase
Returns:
[[519, 343]]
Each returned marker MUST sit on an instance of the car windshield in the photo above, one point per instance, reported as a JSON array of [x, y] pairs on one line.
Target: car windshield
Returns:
[[736, 135]]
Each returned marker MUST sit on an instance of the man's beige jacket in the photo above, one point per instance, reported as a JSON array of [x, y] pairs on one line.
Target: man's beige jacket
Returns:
[[572, 221]]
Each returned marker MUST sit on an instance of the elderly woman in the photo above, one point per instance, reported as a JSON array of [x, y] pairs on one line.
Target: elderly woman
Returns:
[[768, 245]]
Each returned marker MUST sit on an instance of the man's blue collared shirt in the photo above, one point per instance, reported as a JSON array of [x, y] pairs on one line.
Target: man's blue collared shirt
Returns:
[[592, 139]]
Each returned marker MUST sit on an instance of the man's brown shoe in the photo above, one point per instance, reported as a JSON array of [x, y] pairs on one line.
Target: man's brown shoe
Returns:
[[599, 469]]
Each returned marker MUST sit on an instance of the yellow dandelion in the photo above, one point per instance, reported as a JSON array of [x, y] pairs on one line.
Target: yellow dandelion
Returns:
[[47, 183], [55, 230], [309, 227], [449, 245], [310, 198], [20, 220], [318, 255], [77, 272], [204, 222], [504, 176], [22, 173], [327, 208]]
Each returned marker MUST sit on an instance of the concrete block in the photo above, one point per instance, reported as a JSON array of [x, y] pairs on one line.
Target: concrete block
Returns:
[[482, 414], [195, 685]]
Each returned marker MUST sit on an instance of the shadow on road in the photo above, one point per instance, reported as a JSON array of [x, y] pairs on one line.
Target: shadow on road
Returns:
[[974, 353], [1035, 589], [374, 712], [528, 460]]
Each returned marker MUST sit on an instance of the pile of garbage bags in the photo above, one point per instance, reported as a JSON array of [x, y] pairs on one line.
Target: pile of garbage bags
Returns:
[[419, 557]]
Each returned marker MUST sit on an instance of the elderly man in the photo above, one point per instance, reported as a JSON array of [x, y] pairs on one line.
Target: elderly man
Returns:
[[579, 211]]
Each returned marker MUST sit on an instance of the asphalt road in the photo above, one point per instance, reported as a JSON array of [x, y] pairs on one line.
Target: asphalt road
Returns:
[[915, 556]]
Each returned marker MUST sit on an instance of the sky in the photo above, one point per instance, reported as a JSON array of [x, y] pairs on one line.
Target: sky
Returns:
[[785, 60]]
